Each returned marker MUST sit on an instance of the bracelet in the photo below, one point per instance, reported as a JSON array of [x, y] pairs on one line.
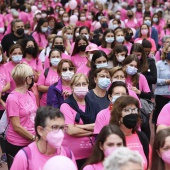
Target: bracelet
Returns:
[[33, 138]]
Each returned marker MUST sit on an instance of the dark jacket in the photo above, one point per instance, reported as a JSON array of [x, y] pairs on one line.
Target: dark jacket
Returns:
[[54, 95]]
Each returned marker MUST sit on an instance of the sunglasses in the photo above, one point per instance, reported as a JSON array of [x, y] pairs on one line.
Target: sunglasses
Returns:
[[68, 69]]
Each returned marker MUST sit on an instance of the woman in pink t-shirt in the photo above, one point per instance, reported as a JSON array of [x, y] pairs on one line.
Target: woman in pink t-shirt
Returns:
[[117, 56], [49, 127], [21, 109], [79, 57], [82, 20], [131, 21], [125, 114], [40, 35], [65, 18], [107, 41], [49, 76], [144, 34], [161, 151], [109, 139], [15, 55], [80, 114]]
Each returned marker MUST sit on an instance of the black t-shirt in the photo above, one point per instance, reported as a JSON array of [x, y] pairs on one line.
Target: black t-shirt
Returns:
[[9, 40]]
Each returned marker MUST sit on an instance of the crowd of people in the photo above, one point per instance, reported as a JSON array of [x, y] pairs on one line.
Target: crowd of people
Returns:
[[81, 79]]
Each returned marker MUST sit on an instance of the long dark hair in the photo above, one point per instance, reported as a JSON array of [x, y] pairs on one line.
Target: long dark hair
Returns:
[[41, 21], [157, 162], [24, 44], [97, 154], [96, 55], [143, 62]]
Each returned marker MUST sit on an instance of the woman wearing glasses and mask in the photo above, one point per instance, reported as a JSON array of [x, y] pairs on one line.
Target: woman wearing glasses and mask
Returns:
[[80, 114], [125, 114], [21, 109], [60, 90], [49, 128]]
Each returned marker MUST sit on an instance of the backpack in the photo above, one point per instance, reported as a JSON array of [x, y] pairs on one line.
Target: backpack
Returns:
[[27, 152]]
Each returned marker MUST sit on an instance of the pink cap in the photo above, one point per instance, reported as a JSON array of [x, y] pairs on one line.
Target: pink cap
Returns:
[[92, 47]]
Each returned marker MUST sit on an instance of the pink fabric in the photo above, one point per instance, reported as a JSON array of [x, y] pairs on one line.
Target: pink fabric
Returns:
[[158, 27], [40, 39], [4, 79], [129, 46], [140, 22], [86, 23], [79, 60], [37, 161], [47, 61], [123, 14], [83, 69], [81, 146], [164, 116], [106, 50], [35, 63], [131, 23], [163, 33], [51, 78], [139, 40], [97, 166], [24, 17], [157, 55], [143, 84], [134, 144], [9, 67], [22, 106], [138, 15]]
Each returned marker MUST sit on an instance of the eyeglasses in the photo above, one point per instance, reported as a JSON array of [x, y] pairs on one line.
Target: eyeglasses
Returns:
[[69, 68], [131, 110], [56, 128]]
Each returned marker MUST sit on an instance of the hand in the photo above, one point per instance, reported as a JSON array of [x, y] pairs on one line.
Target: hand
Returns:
[[135, 90], [66, 94], [168, 81]]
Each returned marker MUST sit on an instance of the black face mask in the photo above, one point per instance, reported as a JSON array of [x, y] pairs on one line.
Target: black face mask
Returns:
[[139, 10], [30, 50], [82, 48], [130, 16], [128, 37], [60, 47], [168, 25], [30, 85], [130, 120], [104, 25], [20, 31]]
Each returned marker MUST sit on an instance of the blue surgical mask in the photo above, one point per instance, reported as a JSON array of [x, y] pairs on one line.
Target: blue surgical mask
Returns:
[[44, 29], [155, 19], [109, 39], [104, 83], [102, 65], [114, 98], [0, 58], [131, 70], [55, 61], [168, 56], [120, 39], [16, 58], [147, 22], [69, 36]]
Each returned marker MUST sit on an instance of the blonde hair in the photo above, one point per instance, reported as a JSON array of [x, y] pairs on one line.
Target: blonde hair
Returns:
[[115, 69], [20, 73], [77, 77], [164, 51], [64, 29], [51, 36]]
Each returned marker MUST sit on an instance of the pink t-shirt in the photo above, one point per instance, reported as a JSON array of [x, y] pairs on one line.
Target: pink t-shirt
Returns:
[[97, 166], [106, 50], [158, 55], [40, 39], [52, 77], [35, 63], [79, 60], [131, 23], [138, 15], [47, 61], [81, 146], [83, 69], [4, 79], [143, 84], [129, 46], [66, 89], [9, 67], [164, 116], [139, 40], [24, 17], [37, 159], [22, 106], [134, 144]]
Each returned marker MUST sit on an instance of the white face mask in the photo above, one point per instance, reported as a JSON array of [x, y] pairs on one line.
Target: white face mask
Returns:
[[120, 58], [50, 45], [102, 65], [69, 36], [87, 36], [67, 75], [55, 61], [109, 39], [90, 57], [114, 98], [44, 29], [65, 19], [61, 12], [77, 34], [0, 58], [26, 31], [114, 79], [16, 58], [82, 18]]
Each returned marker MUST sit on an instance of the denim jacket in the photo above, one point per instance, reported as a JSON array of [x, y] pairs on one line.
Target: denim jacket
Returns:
[[163, 73]]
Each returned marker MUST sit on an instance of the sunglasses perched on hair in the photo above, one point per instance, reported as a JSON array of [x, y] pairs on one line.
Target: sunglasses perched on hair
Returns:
[[68, 69]]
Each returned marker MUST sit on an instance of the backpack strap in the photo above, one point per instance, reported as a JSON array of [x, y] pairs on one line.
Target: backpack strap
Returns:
[[145, 144], [68, 152], [165, 31], [27, 152], [46, 72], [160, 52]]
